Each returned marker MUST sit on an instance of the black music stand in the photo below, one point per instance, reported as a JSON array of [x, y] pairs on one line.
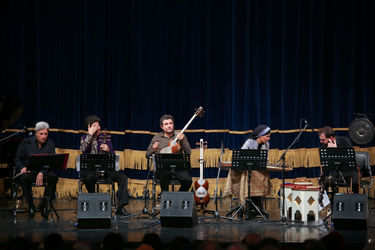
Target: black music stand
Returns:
[[172, 162], [101, 163], [337, 160], [249, 159], [48, 162]]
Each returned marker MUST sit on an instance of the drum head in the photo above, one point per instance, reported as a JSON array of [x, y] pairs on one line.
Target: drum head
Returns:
[[361, 131]]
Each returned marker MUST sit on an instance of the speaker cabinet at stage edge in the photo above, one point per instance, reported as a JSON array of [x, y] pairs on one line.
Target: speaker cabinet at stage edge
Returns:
[[349, 211], [177, 209], [94, 210]]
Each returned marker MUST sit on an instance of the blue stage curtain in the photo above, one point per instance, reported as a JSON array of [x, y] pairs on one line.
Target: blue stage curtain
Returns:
[[246, 62]]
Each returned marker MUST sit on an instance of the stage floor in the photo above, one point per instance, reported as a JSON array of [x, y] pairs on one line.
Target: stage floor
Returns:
[[132, 229]]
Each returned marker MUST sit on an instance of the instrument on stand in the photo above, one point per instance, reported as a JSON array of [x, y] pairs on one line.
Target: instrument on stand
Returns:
[[201, 195], [174, 146]]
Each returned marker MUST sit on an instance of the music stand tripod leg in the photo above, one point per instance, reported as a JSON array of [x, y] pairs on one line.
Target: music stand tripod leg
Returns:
[[248, 201], [146, 192]]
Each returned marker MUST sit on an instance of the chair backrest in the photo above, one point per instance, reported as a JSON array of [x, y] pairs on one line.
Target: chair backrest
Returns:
[[78, 163], [363, 162]]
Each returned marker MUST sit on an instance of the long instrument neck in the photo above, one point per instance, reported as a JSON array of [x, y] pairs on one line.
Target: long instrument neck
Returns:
[[201, 158], [186, 126]]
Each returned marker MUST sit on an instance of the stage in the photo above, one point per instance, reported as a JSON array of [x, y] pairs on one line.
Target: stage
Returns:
[[132, 229]]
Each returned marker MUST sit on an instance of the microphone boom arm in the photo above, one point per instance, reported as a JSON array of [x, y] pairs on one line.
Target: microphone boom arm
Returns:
[[282, 157]]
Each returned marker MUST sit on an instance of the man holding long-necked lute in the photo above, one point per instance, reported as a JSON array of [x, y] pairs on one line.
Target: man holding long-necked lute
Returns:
[[169, 141]]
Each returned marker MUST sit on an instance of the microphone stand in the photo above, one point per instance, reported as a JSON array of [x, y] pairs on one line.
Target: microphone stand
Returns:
[[283, 218], [145, 211], [11, 135], [216, 214]]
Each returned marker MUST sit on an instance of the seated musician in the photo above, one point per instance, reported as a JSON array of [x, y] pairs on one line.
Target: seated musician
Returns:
[[260, 183], [95, 142], [38, 144], [328, 139], [161, 141]]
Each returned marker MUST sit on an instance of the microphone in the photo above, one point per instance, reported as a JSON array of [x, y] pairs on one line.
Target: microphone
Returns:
[[307, 124], [222, 147], [24, 129]]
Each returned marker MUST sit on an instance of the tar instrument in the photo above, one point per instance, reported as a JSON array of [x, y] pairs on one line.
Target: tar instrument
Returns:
[[201, 195], [174, 146], [103, 138]]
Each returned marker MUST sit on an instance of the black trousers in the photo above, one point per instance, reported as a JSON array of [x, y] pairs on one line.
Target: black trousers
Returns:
[[90, 178], [49, 179], [333, 179], [182, 175]]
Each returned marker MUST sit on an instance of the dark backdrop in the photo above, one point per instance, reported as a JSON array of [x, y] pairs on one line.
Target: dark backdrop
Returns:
[[245, 62]]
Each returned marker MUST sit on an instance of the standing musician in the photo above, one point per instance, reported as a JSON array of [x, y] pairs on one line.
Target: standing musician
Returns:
[[38, 144], [97, 143], [161, 141], [260, 180], [328, 139]]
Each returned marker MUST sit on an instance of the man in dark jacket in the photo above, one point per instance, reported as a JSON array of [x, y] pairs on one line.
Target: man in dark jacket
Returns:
[[38, 144]]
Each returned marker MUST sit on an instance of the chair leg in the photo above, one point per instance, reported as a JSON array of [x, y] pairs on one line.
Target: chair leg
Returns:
[[14, 190], [53, 210], [113, 194], [50, 208], [79, 187], [153, 194]]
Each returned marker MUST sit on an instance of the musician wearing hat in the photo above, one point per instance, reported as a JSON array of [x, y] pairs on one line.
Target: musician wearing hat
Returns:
[[37, 144], [260, 183]]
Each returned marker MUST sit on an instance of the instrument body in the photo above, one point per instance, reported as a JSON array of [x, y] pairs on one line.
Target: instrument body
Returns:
[[201, 195], [174, 146]]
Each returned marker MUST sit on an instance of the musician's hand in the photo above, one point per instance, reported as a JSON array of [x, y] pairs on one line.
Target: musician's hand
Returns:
[[39, 179], [24, 170], [93, 128], [332, 143], [155, 146], [104, 147], [180, 137]]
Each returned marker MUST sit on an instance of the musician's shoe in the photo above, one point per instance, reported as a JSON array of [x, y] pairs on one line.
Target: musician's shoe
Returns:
[[240, 214], [31, 211], [251, 214], [122, 212]]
